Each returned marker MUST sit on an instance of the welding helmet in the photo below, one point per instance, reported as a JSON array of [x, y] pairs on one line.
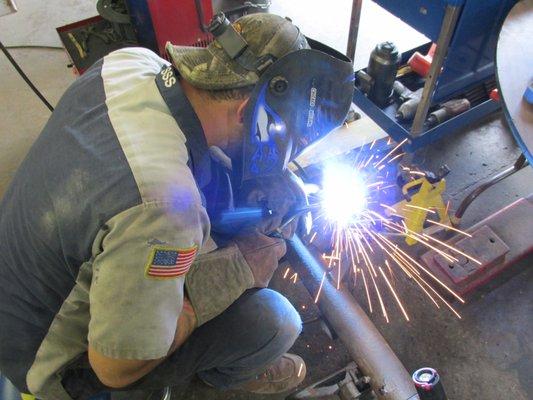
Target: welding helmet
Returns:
[[302, 89]]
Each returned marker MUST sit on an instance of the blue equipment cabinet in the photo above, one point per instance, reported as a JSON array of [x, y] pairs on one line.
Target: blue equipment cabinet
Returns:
[[467, 62]]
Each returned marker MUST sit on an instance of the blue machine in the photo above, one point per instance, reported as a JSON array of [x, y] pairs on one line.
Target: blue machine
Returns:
[[468, 63]]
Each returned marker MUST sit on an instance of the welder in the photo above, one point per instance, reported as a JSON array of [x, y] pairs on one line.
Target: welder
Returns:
[[117, 272]]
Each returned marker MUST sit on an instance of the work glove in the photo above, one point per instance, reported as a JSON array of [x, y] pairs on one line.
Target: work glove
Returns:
[[263, 244], [250, 258], [218, 278], [262, 254], [281, 195]]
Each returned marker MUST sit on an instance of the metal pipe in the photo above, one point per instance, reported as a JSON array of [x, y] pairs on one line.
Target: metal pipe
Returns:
[[445, 35], [517, 166], [389, 378], [354, 29]]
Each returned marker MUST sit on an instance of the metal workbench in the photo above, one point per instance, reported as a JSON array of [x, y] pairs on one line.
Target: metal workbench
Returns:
[[466, 33]]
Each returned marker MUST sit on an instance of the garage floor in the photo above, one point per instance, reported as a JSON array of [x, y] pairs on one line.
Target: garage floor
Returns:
[[487, 355]]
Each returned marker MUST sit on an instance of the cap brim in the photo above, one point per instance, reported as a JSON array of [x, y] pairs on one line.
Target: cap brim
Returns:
[[202, 69]]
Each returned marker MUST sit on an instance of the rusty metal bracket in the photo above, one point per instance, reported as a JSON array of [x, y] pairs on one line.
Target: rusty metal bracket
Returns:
[[346, 384], [497, 242]]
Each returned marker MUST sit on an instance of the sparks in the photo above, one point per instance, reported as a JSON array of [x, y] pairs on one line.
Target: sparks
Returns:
[[294, 277], [354, 216], [417, 173], [421, 208], [449, 227], [394, 294], [320, 288], [300, 369]]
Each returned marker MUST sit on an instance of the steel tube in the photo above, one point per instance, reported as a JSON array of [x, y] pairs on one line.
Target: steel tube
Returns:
[[389, 378]]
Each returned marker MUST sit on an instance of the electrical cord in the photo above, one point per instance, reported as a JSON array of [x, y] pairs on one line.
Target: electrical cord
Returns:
[[25, 77], [34, 46], [300, 170]]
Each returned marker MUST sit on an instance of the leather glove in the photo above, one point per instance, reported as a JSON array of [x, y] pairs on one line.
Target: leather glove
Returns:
[[216, 279], [281, 194], [262, 254]]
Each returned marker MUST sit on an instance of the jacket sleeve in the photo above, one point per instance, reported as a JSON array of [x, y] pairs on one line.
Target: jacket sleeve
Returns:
[[136, 293], [145, 258]]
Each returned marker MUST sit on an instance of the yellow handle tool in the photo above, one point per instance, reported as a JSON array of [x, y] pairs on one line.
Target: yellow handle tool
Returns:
[[415, 210]]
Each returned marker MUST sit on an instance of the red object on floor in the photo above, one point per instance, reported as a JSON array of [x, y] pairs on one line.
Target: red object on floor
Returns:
[[181, 22], [421, 63], [497, 242]]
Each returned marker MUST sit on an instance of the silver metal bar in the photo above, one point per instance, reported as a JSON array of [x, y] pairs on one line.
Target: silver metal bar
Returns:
[[446, 32], [354, 29], [389, 378]]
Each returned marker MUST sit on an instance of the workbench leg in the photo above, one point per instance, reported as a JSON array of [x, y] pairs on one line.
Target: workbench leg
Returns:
[[354, 29], [446, 32]]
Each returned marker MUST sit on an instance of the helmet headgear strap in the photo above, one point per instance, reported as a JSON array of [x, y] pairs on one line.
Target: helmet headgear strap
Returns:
[[236, 47]]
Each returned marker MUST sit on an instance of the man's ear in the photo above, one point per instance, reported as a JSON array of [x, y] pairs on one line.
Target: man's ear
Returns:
[[241, 109]]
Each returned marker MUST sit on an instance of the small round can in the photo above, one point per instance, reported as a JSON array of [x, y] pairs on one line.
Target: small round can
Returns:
[[428, 384]]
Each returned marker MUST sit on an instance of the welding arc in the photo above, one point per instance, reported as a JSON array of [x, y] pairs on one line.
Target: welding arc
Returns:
[[355, 238]]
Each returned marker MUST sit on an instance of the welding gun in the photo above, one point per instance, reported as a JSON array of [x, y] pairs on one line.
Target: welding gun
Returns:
[[246, 217]]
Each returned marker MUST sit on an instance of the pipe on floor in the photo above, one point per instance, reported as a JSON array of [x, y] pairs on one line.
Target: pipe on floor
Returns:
[[389, 378]]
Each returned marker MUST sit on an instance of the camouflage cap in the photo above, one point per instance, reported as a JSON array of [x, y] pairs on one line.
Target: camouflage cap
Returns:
[[212, 68]]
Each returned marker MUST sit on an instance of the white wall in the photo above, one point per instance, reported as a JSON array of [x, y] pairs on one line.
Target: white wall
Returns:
[[328, 21]]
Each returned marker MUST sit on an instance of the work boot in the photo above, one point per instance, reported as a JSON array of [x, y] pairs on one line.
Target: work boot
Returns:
[[282, 375]]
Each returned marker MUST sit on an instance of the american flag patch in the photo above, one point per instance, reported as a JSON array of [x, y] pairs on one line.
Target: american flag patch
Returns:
[[167, 262]]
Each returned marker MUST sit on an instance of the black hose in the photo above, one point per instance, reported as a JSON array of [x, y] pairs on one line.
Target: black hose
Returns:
[[35, 46], [517, 166], [302, 172], [25, 77]]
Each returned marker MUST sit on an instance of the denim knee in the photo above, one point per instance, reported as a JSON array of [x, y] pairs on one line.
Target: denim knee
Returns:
[[279, 319], [259, 327]]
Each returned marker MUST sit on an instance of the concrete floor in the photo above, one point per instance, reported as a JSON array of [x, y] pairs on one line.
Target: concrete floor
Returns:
[[487, 355]]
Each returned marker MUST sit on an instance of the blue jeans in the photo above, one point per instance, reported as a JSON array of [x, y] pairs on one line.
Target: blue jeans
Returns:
[[225, 352]]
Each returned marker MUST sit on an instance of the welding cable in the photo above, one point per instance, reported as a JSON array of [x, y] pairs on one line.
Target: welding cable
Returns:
[[34, 46], [520, 163], [25, 77], [302, 172]]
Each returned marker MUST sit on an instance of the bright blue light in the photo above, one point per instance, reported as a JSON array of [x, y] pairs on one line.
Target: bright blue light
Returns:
[[344, 193], [311, 188]]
